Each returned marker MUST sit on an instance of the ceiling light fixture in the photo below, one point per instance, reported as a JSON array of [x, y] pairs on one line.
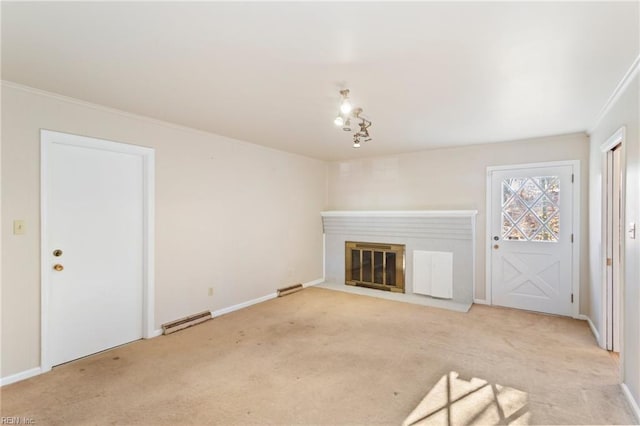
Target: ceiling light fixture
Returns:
[[345, 105], [345, 114]]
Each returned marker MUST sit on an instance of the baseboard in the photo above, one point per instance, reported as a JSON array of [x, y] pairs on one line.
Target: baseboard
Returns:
[[155, 333], [593, 328], [23, 375], [223, 311], [314, 282], [248, 303], [481, 301], [632, 402], [37, 370]]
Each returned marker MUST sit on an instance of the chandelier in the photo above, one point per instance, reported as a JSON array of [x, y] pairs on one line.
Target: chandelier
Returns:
[[346, 113]]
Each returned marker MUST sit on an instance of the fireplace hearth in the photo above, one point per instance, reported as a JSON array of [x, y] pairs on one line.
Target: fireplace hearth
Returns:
[[375, 265]]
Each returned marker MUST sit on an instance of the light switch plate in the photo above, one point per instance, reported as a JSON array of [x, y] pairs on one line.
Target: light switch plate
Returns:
[[18, 227]]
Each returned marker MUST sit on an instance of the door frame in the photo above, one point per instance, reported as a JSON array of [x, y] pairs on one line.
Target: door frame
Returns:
[[47, 139], [575, 250], [617, 138]]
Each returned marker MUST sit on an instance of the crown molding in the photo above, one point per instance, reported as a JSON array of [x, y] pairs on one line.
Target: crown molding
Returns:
[[631, 73]]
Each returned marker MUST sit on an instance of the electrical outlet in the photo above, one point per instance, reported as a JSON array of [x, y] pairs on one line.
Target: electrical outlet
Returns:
[[210, 291]]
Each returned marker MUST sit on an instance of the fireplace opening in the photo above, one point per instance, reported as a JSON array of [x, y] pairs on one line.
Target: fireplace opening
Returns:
[[375, 265]]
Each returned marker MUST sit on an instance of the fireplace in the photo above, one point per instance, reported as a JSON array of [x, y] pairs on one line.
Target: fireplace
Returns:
[[375, 265]]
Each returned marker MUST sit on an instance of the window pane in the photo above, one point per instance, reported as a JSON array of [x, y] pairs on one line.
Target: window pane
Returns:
[[514, 209], [545, 208], [515, 235], [529, 225], [529, 192], [530, 209]]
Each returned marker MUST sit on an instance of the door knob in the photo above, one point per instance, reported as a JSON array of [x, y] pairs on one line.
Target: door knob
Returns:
[[58, 267], [57, 252], [496, 246]]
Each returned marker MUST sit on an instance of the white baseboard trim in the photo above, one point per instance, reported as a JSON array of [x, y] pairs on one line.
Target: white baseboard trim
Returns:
[[155, 333], [248, 303], [481, 301], [314, 282], [593, 328], [632, 402], [23, 375], [223, 311], [37, 370]]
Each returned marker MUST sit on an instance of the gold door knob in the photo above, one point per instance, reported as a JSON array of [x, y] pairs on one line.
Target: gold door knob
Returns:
[[58, 267], [495, 246]]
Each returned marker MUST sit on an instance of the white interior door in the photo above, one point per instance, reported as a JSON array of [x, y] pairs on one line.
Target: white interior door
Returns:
[[614, 250], [94, 217], [531, 217]]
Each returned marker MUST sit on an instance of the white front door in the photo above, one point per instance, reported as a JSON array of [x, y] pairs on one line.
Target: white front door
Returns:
[[94, 258], [531, 233]]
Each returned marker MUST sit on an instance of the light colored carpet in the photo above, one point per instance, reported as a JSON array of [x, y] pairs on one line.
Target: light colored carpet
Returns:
[[326, 357], [417, 299]]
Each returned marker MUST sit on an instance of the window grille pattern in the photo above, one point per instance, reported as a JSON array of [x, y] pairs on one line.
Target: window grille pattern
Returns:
[[531, 208]]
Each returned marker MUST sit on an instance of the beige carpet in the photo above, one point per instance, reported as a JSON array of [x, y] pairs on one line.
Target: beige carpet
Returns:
[[327, 357]]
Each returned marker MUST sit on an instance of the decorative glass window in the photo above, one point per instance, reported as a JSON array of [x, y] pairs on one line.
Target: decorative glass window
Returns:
[[530, 209]]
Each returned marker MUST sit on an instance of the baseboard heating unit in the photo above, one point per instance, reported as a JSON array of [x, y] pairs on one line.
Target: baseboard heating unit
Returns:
[[182, 323], [288, 290]]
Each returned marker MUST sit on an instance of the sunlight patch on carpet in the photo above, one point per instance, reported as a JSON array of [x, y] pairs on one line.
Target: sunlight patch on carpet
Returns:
[[456, 401]]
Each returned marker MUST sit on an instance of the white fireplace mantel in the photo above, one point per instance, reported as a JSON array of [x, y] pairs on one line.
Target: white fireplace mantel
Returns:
[[399, 213], [451, 231], [434, 224]]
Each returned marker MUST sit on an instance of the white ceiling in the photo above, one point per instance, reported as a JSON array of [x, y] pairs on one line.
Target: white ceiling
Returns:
[[427, 74]]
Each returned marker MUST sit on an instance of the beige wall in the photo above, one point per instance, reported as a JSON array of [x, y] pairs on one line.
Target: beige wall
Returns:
[[224, 208], [625, 112], [220, 202], [453, 178]]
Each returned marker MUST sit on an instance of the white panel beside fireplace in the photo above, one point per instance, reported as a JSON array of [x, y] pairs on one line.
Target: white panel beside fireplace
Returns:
[[451, 231], [433, 273]]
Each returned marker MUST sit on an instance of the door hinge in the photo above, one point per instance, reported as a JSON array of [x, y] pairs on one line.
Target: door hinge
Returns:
[[572, 238], [572, 177], [571, 297]]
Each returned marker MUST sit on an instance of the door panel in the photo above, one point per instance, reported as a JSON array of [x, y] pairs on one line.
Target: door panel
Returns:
[[95, 216], [531, 227], [617, 232], [613, 226]]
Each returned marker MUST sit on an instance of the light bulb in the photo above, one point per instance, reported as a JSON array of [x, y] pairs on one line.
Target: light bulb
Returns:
[[339, 121], [346, 106], [356, 144]]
